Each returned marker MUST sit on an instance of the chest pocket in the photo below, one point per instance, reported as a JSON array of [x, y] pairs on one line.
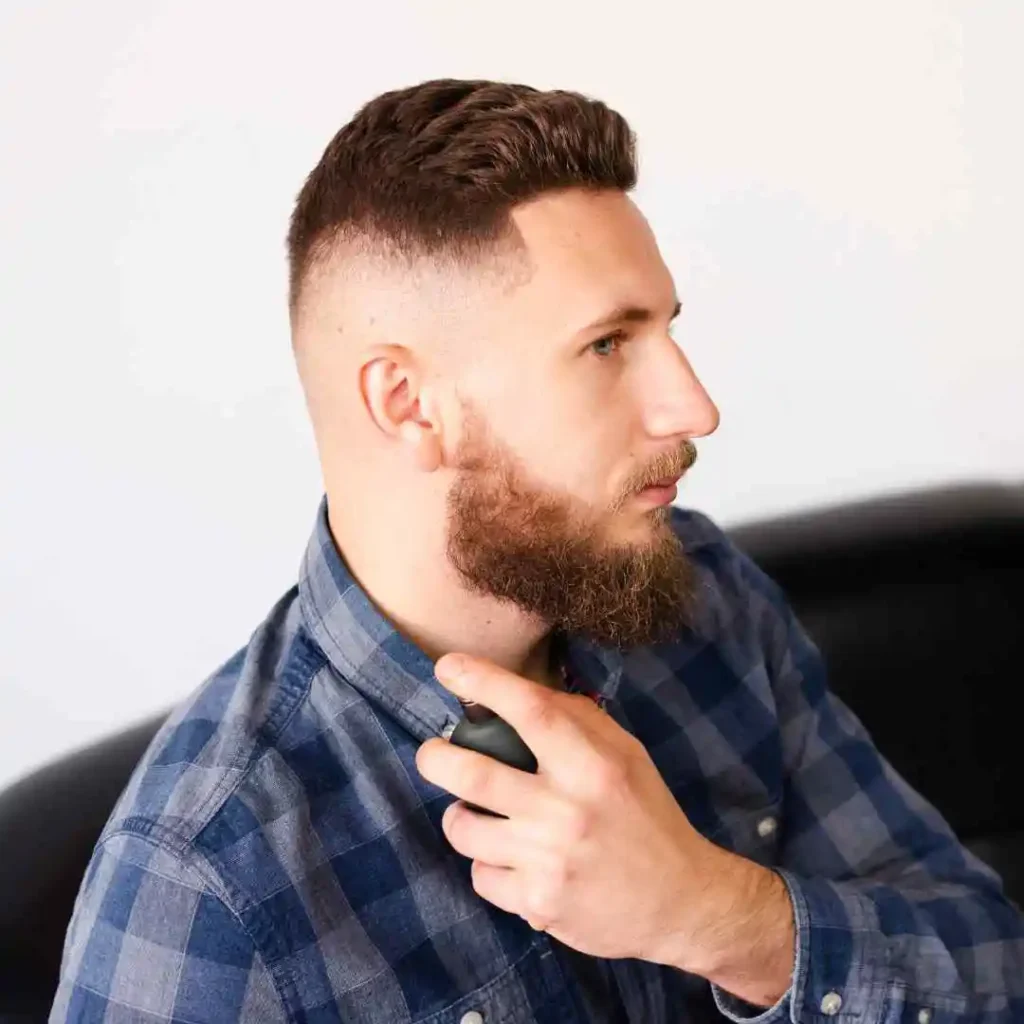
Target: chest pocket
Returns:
[[531, 989], [503, 1000]]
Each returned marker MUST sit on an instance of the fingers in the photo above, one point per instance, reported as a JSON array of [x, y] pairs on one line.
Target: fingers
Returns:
[[540, 715], [497, 885], [480, 837], [478, 779], [504, 888]]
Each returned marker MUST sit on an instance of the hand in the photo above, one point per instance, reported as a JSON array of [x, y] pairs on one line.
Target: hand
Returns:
[[594, 848]]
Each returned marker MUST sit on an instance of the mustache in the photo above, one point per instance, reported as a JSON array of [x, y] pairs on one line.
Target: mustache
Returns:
[[679, 465]]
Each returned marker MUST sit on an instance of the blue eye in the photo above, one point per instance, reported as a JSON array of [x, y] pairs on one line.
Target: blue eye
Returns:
[[615, 338]]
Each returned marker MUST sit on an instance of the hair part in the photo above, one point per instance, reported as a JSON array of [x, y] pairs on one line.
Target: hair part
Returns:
[[434, 170]]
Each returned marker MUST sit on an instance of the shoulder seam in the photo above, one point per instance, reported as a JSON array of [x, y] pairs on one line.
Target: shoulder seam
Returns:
[[157, 835], [293, 688]]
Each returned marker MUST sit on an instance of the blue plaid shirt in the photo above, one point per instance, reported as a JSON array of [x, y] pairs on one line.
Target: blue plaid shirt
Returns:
[[276, 856]]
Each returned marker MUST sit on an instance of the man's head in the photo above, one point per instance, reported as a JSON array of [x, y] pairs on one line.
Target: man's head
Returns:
[[450, 258]]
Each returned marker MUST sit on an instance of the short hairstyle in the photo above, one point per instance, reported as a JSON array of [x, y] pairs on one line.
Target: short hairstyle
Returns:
[[434, 170]]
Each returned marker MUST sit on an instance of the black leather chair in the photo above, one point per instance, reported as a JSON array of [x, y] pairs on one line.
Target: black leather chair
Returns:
[[916, 601]]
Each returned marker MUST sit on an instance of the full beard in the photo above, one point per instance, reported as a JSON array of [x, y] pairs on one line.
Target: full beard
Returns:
[[550, 558]]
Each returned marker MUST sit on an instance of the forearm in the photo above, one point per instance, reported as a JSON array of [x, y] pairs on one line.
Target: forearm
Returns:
[[749, 949], [742, 937]]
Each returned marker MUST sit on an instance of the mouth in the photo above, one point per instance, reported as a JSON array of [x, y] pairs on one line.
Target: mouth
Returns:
[[661, 492]]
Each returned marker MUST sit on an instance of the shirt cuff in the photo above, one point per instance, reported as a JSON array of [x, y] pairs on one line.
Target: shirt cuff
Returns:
[[742, 1012], [841, 972]]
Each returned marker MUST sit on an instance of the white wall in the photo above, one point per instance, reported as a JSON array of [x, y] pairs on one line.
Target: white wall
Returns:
[[836, 188]]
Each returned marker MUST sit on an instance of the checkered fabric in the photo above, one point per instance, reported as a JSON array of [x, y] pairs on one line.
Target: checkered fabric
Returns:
[[276, 856]]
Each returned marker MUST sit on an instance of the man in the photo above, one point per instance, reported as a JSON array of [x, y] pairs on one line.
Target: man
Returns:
[[480, 317]]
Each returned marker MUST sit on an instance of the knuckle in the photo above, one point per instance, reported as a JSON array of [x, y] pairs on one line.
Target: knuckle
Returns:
[[540, 711], [576, 826], [561, 877], [476, 780], [538, 904], [634, 746], [583, 703], [610, 777], [557, 875]]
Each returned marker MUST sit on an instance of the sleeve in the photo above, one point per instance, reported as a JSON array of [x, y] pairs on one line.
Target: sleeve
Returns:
[[896, 922], [148, 941]]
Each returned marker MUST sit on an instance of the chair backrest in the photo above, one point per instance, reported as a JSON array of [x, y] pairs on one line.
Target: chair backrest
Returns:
[[50, 821], [916, 601]]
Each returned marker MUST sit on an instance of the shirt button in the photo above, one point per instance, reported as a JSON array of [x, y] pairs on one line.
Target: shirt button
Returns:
[[924, 1016], [766, 826], [473, 1017], [831, 1003]]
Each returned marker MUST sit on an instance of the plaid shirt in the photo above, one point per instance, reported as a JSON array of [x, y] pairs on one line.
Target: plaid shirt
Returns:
[[276, 856]]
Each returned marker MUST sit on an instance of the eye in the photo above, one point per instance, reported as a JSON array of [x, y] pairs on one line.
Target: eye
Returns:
[[616, 338]]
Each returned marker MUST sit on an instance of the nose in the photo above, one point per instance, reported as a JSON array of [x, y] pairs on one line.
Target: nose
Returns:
[[676, 401]]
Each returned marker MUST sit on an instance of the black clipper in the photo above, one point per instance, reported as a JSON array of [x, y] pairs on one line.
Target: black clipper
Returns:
[[480, 729]]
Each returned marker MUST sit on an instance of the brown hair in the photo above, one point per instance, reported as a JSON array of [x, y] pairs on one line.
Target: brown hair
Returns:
[[433, 170]]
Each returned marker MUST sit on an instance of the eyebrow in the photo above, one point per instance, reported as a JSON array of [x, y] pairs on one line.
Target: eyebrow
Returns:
[[627, 314]]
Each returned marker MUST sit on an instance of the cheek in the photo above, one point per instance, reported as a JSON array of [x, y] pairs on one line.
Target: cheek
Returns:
[[567, 437]]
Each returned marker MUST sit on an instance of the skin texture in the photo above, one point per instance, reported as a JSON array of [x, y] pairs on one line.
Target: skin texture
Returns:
[[483, 454]]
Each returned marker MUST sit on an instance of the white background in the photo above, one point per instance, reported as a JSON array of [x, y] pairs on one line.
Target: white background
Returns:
[[836, 189]]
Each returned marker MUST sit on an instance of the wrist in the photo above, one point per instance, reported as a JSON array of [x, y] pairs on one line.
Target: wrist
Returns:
[[743, 938]]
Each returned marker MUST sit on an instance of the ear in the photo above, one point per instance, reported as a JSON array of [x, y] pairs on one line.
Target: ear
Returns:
[[391, 385]]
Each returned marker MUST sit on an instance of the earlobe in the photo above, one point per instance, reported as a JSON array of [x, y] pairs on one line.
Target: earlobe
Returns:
[[425, 449]]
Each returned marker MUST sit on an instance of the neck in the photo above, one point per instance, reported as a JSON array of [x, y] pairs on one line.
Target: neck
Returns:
[[408, 577]]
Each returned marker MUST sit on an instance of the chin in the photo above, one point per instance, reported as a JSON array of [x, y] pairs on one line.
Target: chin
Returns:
[[643, 525]]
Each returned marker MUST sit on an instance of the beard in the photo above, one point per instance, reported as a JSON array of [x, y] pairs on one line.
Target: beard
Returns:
[[551, 555]]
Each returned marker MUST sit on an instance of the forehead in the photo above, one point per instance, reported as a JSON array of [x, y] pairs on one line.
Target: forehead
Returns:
[[588, 251]]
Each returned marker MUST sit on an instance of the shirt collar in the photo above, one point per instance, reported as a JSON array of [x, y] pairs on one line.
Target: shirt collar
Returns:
[[387, 668]]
